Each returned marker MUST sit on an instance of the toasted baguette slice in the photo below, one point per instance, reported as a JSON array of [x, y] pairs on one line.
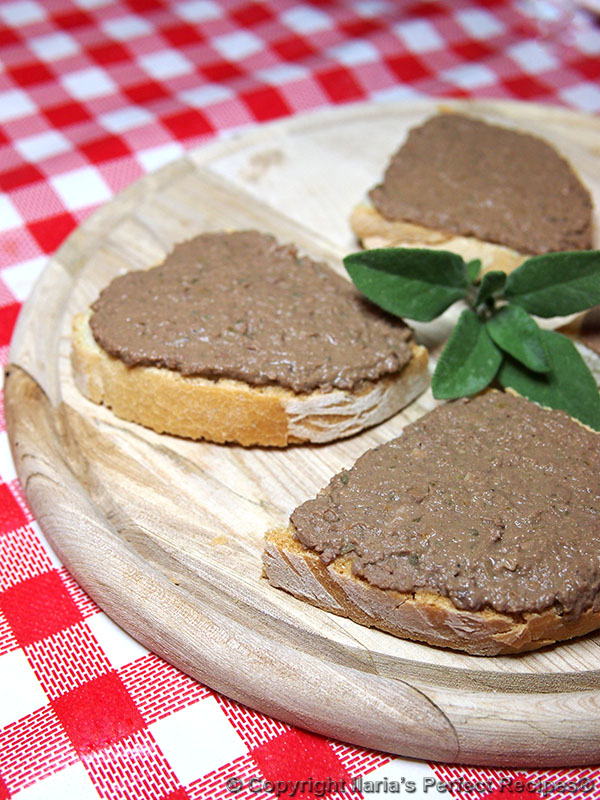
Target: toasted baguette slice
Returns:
[[515, 581], [373, 230], [226, 410], [454, 170], [422, 616]]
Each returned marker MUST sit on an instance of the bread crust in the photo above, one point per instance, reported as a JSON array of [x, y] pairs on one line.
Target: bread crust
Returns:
[[227, 410], [373, 230], [421, 615]]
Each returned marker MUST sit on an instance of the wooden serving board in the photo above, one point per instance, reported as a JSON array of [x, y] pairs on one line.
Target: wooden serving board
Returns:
[[166, 534]]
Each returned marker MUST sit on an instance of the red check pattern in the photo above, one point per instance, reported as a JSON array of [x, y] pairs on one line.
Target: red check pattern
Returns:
[[93, 94]]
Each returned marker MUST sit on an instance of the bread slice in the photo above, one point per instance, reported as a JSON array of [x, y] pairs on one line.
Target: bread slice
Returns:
[[373, 231], [422, 616], [482, 191], [517, 580], [226, 410]]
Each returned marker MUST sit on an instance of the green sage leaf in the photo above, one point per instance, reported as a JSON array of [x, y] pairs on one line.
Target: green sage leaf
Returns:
[[520, 336], [569, 385], [414, 283], [469, 361], [491, 283], [557, 283], [473, 269]]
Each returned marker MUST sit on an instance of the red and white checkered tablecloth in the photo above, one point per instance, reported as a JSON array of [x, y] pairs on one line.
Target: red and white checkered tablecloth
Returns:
[[93, 94]]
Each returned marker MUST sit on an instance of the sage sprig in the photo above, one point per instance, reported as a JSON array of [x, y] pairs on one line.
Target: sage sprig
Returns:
[[495, 339]]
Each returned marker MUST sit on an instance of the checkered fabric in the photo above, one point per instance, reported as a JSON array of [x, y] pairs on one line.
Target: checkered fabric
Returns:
[[93, 94]]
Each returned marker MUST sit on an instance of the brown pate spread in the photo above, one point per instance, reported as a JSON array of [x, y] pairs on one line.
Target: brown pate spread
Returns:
[[463, 176], [239, 305], [492, 502]]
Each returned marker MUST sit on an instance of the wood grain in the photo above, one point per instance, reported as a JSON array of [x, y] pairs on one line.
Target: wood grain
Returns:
[[166, 534]]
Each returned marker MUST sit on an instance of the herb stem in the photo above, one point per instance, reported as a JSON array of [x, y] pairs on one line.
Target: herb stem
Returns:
[[471, 295]]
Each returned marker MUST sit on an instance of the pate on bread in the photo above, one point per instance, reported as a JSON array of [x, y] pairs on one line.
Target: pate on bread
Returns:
[[479, 190], [476, 529], [235, 338]]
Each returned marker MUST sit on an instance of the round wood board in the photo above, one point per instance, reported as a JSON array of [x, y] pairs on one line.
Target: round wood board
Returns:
[[166, 534]]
